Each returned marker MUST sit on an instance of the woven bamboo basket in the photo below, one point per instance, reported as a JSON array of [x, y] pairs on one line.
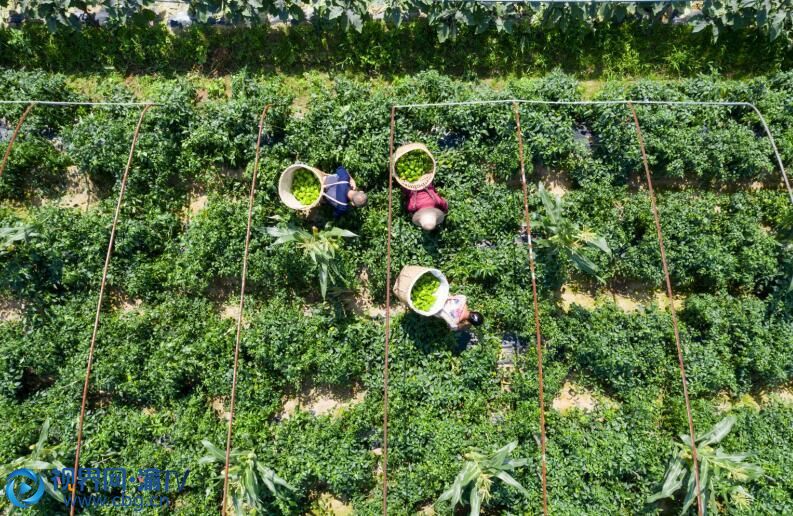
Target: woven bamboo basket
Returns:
[[422, 182], [408, 277], [285, 186]]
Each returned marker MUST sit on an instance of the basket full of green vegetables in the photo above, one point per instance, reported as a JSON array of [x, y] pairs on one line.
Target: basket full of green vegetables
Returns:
[[300, 186], [413, 166], [423, 289]]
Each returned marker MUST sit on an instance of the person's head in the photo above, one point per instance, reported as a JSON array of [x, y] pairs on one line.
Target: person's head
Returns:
[[475, 318], [428, 218], [358, 198], [428, 221]]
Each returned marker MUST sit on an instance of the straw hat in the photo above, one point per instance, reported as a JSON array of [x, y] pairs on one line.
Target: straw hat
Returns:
[[428, 218]]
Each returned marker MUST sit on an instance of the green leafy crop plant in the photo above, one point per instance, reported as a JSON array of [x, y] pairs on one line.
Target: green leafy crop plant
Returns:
[[305, 187], [319, 245], [423, 293], [721, 473], [474, 482], [413, 166], [249, 479]]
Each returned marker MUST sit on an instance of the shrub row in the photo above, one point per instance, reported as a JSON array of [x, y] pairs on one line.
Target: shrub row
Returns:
[[628, 48]]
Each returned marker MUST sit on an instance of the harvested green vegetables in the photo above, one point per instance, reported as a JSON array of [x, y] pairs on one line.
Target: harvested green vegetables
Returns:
[[423, 293], [413, 165], [305, 187]]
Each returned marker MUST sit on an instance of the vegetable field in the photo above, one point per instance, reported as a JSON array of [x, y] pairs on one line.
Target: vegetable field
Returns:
[[310, 386]]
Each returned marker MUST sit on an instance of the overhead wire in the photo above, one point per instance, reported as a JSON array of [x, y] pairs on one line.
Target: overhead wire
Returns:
[[76, 103], [542, 2], [702, 103]]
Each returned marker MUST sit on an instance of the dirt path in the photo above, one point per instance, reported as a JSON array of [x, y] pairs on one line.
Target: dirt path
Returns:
[[323, 400]]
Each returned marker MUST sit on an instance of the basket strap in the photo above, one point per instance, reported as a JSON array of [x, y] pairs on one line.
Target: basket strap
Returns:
[[331, 199], [334, 201]]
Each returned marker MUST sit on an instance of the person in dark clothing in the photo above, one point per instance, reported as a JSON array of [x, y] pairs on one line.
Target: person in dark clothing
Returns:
[[341, 192]]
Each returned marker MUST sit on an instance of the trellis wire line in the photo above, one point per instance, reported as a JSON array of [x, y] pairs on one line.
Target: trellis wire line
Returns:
[[543, 463], [242, 306], [105, 270], [673, 103], [76, 103], [388, 310], [7, 153], [672, 309]]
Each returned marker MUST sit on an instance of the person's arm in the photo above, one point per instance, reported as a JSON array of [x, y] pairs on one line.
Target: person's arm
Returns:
[[342, 173], [412, 205], [443, 205], [439, 201]]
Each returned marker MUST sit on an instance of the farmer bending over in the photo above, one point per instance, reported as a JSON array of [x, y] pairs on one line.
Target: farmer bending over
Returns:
[[456, 314], [341, 192], [427, 207]]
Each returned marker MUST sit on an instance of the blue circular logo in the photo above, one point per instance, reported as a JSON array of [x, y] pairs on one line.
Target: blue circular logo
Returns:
[[24, 488]]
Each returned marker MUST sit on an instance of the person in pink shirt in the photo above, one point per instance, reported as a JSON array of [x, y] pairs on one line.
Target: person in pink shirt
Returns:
[[457, 315], [427, 207]]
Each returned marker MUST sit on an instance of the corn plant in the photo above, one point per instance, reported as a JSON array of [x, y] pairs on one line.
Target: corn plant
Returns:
[[565, 238], [319, 245], [11, 236], [41, 459], [720, 473], [248, 479], [474, 482]]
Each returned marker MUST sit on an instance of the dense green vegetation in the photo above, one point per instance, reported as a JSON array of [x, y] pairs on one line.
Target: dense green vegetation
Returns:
[[413, 165], [611, 50], [163, 361], [305, 187], [423, 293]]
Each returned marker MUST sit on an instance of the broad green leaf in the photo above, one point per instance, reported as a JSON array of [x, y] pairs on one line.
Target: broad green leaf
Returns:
[[599, 243], [214, 453], [718, 432], [583, 263], [691, 493], [510, 481], [673, 481], [475, 501]]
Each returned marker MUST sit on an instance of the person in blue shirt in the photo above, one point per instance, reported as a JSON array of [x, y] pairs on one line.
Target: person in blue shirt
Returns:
[[341, 192]]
